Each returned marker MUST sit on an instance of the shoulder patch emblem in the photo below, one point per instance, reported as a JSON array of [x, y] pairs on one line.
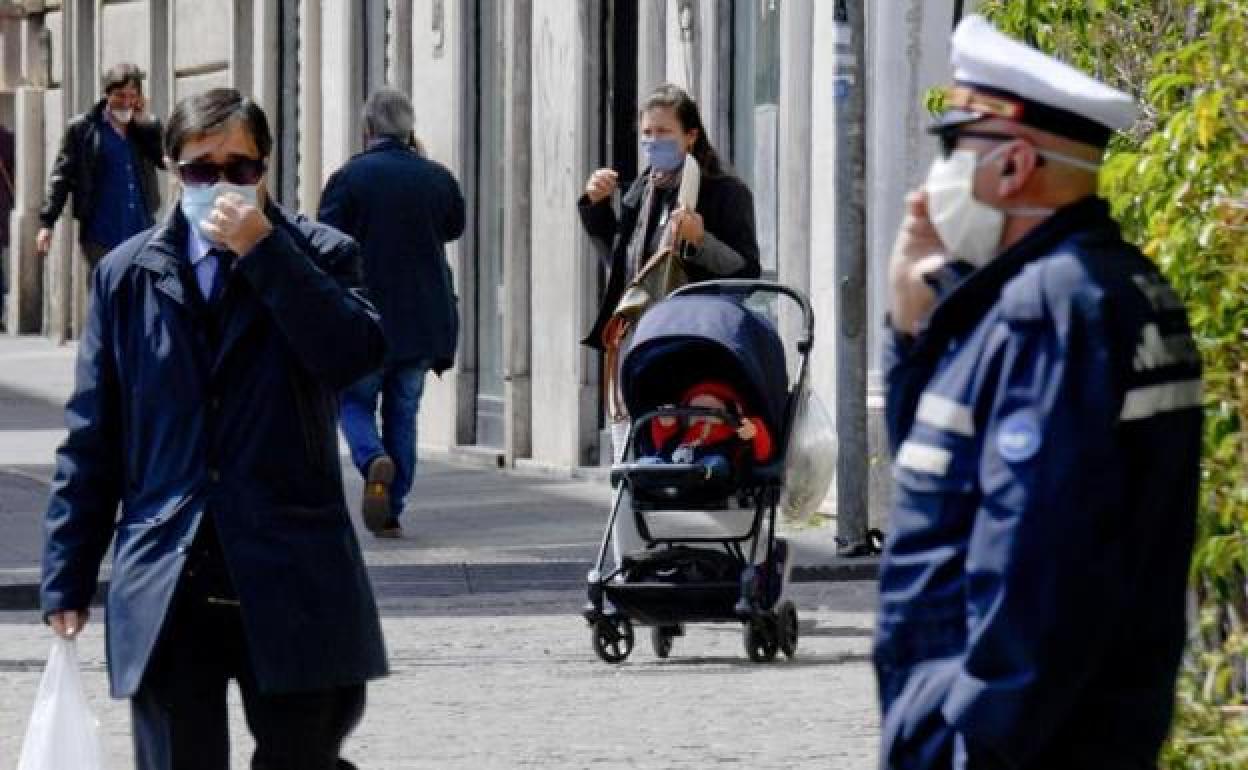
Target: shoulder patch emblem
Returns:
[[1018, 438]]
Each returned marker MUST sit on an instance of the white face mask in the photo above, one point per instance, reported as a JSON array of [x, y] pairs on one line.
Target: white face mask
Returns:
[[122, 116], [970, 229]]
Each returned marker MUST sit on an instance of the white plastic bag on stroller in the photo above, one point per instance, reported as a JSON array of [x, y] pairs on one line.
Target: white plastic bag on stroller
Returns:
[[63, 733], [810, 464]]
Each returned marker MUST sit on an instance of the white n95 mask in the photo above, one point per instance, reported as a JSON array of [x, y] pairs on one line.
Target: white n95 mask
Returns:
[[970, 229]]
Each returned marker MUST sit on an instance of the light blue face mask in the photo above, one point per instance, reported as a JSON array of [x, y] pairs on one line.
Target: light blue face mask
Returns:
[[663, 154], [197, 202]]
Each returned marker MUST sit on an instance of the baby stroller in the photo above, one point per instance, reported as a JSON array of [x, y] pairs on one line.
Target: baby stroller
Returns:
[[715, 575]]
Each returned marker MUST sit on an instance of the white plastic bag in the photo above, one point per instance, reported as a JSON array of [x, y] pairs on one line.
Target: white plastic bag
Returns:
[[810, 464], [63, 733]]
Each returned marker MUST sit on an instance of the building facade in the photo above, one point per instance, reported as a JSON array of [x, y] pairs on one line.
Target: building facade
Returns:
[[521, 99]]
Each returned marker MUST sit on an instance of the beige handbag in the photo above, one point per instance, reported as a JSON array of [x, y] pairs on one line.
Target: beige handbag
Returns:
[[665, 271]]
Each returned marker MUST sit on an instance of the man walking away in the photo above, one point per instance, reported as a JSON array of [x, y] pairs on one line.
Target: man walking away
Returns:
[[107, 162], [402, 208], [209, 367]]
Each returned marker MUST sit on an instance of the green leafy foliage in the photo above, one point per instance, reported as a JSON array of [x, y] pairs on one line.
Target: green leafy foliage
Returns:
[[1178, 183]]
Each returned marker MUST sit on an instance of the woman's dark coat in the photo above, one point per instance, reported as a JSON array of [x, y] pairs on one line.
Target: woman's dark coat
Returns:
[[727, 210]]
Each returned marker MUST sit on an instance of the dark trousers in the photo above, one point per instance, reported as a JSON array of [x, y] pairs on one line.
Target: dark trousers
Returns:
[[179, 712]]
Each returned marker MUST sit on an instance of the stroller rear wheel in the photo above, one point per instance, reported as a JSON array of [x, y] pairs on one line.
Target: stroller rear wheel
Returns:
[[786, 622], [613, 639], [760, 639], [661, 639]]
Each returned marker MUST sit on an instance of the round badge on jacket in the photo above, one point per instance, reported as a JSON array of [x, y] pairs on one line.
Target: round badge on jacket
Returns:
[[1018, 438]]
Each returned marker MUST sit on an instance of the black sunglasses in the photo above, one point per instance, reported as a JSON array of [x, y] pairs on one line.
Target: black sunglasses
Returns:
[[245, 171], [949, 138]]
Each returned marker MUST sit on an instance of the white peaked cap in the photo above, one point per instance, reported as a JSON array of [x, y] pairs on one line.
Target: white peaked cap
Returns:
[[999, 76]]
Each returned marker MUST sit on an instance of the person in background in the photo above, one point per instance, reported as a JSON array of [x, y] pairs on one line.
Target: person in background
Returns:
[[107, 163], [1044, 412], [208, 374], [403, 209]]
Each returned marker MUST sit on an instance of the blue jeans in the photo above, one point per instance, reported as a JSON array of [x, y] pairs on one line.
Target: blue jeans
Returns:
[[400, 388]]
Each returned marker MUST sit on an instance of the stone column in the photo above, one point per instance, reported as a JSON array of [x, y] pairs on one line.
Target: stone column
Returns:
[[264, 77], [794, 151], [517, 262], [651, 45], [908, 52], [399, 71], [242, 32], [339, 82], [309, 105], [25, 269]]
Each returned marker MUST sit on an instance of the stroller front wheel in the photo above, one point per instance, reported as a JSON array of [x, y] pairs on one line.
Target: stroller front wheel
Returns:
[[760, 639], [786, 623], [613, 639], [661, 639]]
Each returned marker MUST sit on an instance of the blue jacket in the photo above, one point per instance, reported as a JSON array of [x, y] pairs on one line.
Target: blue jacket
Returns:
[[171, 433], [1046, 429], [402, 209]]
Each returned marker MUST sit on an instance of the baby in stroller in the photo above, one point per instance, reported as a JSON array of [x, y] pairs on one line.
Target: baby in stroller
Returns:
[[709, 441]]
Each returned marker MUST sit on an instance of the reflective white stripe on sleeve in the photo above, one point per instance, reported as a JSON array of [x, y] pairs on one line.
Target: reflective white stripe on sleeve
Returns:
[[1142, 403], [945, 414], [924, 458]]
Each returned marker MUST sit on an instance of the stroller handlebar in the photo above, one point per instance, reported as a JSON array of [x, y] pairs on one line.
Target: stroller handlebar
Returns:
[[746, 288]]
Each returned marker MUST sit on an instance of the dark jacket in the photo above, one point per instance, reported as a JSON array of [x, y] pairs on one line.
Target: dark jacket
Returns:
[[172, 432], [402, 209], [1046, 427], [75, 165], [727, 210]]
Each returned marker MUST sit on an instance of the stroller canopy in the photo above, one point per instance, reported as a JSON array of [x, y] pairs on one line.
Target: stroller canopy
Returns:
[[684, 340]]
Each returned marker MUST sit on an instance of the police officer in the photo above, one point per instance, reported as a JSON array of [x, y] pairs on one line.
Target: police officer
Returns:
[[1044, 414]]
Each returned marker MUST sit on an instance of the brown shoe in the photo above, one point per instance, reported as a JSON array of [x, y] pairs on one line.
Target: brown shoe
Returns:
[[390, 530], [375, 507]]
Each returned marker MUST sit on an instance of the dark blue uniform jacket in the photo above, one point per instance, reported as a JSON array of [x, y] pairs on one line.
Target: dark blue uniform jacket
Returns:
[[1046, 431], [163, 431]]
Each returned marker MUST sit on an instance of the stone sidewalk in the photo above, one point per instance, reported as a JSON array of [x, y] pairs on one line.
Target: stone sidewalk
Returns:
[[470, 529], [492, 666], [509, 681]]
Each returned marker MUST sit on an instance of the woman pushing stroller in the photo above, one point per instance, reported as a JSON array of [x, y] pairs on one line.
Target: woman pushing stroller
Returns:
[[717, 234]]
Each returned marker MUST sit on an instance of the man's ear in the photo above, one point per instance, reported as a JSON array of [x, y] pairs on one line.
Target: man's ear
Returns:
[[1018, 163]]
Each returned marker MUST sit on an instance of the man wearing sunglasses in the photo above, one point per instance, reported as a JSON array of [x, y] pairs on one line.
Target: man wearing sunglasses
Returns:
[[205, 407], [1044, 416], [107, 162]]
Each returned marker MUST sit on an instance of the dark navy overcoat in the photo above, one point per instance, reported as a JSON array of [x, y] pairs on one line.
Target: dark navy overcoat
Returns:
[[164, 430], [403, 209], [1046, 426]]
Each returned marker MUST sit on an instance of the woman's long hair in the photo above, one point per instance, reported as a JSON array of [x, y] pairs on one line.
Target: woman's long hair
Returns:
[[676, 99]]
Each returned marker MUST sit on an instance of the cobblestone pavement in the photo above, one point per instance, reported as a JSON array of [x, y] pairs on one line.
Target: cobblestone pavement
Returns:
[[510, 681]]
